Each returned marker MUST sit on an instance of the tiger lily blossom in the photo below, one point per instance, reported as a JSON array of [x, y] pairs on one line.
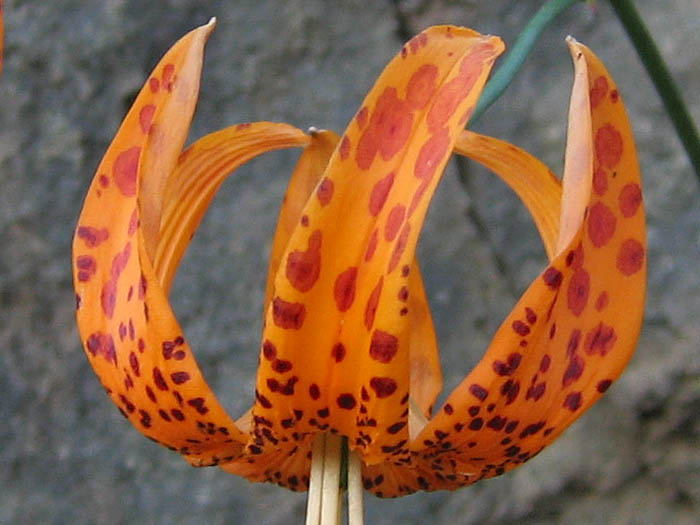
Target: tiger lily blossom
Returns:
[[348, 346]]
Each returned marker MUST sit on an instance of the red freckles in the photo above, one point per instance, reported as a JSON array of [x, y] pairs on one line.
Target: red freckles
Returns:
[[431, 154], [100, 344], [421, 86], [600, 181], [168, 76], [383, 386], [146, 117], [362, 117], [630, 258], [344, 148], [92, 236], [288, 315], [389, 128], [133, 222], [600, 340], [304, 267], [324, 191], [601, 224], [630, 199], [602, 301], [379, 194], [109, 290], [574, 371], [394, 221], [598, 91], [573, 401], [372, 302], [371, 245], [154, 84], [399, 247], [87, 266], [124, 171], [344, 289], [608, 146], [552, 278], [578, 290], [383, 346]]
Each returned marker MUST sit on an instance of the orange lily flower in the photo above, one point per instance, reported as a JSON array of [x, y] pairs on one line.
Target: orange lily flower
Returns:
[[348, 345]]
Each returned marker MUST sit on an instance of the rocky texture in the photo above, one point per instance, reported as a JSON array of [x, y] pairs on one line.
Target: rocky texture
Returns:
[[71, 70]]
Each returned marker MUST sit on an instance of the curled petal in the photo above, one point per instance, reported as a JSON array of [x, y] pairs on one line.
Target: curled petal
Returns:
[[532, 181], [577, 325], [336, 351]]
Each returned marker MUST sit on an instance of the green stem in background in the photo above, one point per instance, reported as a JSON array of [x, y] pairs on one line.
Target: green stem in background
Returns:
[[657, 70], [515, 58]]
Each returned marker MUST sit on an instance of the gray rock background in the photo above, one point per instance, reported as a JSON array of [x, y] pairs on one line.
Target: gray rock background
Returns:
[[72, 67]]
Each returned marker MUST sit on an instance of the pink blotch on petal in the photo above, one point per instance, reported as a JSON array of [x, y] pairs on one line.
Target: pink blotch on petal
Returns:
[[92, 237], [146, 117], [630, 258], [383, 346], [125, 169], [608, 146], [578, 290], [394, 221], [371, 245], [379, 194], [324, 191], [601, 224], [600, 181], [399, 247], [372, 302], [344, 289], [344, 148], [598, 91], [421, 86], [303, 267], [630, 199]]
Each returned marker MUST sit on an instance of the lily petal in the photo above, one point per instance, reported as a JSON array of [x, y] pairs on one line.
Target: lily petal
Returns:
[[335, 354], [130, 334], [200, 171], [532, 181], [576, 327]]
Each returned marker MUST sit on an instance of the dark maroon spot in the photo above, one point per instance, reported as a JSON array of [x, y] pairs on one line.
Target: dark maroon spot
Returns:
[[604, 385], [177, 414], [573, 371], [344, 289], [324, 412], [496, 423], [396, 427], [403, 294], [552, 278], [535, 392], [180, 377], [476, 424], [264, 402], [530, 315], [87, 266], [303, 267], [269, 350], [346, 401], [281, 366], [151, 395], [448, 409], [134, 363], [102, 345], [552, 330], [532, 429], [573, 401], [198, 404], [578, 290], [520, 328], [545, 362], [164, 415], [478, 391], [314, 391], [145, 418], [288, 315], [507, 368], [383, 346], [602, 301], [600, 339], [510, 390], [338, 352], [92, 236], [573, 343], [383, 386], [159, 380]]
